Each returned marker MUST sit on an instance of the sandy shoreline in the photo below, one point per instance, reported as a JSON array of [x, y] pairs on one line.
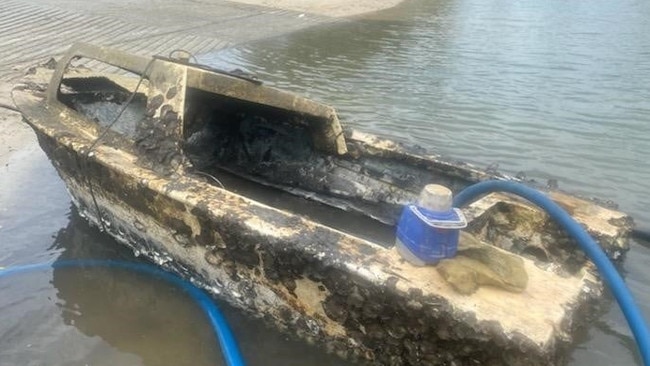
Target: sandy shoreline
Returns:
[[331, 8]]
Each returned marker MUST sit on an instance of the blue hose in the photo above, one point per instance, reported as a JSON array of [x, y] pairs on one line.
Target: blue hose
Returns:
[[585, 241], [229, 348]]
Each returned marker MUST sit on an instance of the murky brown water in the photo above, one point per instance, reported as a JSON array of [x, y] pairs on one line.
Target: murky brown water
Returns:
[[553, 89]]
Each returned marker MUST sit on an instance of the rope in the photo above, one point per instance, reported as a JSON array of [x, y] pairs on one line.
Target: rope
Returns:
[[88, 154], [9, 107]]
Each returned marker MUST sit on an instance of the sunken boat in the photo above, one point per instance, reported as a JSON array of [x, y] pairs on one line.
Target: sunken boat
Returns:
[[262, 198]]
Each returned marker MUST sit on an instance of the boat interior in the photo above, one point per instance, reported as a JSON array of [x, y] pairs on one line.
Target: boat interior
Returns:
[[252, 150]]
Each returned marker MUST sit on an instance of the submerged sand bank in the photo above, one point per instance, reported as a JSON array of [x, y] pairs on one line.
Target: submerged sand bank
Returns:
[[331, 8]]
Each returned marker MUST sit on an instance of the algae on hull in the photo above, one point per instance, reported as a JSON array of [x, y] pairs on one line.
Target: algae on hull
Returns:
[[478, 264]]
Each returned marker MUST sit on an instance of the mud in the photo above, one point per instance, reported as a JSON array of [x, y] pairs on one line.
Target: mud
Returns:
[[14, 134]]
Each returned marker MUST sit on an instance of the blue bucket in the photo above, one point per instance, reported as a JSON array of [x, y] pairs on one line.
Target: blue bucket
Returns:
[[430, 235]]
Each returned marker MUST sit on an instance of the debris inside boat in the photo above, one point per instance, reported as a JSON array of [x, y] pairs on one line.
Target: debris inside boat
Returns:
[[262, 198]]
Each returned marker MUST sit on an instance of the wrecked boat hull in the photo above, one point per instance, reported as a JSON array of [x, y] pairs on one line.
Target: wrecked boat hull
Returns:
[[351, 295], [315, 292]]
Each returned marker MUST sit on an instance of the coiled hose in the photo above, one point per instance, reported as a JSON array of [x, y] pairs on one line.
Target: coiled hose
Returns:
[[607, 270], [227, 342]]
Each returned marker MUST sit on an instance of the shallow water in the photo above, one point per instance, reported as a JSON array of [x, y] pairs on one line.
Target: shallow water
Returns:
[[553, 89]]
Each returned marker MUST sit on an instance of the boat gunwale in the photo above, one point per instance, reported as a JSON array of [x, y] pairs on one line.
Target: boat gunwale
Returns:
[[327, 133]]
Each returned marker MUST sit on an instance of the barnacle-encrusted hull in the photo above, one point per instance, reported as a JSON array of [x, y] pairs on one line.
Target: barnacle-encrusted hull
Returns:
[[338, 284]]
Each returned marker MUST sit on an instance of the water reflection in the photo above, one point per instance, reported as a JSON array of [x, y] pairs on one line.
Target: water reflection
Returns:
[[149, 320], [118, 315]]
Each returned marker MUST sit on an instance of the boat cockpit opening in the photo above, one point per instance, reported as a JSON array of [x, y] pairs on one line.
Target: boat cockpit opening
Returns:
[[267, 154]]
